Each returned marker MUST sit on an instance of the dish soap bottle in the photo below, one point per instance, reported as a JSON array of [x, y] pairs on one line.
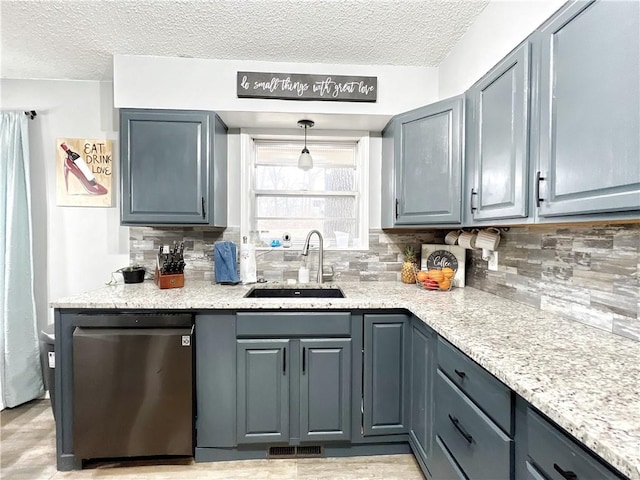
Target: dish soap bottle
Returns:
[[303, 272], [247, 262]]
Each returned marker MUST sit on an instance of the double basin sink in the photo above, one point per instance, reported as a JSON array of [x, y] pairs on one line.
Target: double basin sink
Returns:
[[295, 293]]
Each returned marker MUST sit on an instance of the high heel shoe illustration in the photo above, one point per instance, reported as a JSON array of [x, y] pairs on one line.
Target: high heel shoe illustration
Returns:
[[74, 164]]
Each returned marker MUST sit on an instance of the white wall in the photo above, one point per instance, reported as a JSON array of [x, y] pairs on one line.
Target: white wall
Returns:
[[203, 84], [75, 248], [498, 29]]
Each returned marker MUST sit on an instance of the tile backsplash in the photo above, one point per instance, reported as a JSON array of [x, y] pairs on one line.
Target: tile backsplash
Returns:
[[381, 262], [585, 273]]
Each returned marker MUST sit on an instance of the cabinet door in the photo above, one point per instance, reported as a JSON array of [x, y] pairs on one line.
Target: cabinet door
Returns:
[[590, 109], [325, 389], [165, 166], [428, 157], [422, 370], [263, 391], [498, 147], [386, 372]]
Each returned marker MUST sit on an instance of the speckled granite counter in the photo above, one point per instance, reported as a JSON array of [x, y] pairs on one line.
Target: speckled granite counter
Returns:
[[586, 380]]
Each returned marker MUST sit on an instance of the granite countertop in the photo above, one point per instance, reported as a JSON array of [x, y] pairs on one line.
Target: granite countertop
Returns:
[[585, 379]]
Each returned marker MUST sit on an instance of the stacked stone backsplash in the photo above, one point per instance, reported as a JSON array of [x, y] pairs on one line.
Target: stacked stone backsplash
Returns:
[[590, 274], [381, 262]]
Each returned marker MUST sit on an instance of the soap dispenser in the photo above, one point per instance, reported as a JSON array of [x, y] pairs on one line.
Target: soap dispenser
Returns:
[[303, 272]]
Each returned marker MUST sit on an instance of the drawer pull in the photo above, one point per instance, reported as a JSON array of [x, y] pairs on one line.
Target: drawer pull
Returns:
[[462, 431], [459, 373], [568, 474]]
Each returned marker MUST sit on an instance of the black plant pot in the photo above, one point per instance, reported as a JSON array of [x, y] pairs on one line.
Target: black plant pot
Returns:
[[134, 275]]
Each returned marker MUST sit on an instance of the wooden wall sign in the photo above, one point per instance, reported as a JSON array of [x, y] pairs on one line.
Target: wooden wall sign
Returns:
[[84, 171], [302, 86]]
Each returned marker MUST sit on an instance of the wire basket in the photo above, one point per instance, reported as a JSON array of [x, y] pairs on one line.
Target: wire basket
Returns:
[[436, 279]]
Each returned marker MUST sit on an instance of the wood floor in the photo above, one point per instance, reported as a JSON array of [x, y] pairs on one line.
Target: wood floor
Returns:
[[28, 452]]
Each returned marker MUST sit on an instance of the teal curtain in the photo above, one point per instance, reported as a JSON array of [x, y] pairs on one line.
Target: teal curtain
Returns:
[[20, 371]]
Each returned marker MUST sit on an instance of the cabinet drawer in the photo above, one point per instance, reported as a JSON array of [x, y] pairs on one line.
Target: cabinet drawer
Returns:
[[488, 392], [442, 465], [481, 449], [552, 452], [298, 324]]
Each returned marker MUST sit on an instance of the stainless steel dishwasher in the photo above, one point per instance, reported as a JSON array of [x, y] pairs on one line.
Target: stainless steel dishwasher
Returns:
[[133, 387]]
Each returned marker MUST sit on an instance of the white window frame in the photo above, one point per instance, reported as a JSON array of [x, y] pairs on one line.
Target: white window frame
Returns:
[[247, 156]]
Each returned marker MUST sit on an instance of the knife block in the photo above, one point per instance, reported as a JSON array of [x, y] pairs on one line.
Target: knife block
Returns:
[[174, 280]]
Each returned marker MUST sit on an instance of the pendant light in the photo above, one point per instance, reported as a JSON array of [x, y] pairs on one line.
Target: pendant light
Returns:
[[305, 162]]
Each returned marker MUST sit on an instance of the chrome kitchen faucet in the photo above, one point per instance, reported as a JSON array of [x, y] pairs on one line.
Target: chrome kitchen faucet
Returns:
[[305, 251]]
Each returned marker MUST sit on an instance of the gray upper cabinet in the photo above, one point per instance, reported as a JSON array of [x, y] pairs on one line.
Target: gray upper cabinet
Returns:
[[498, 140], [427, 165], [386, 374], [173, 168], [590, 110]]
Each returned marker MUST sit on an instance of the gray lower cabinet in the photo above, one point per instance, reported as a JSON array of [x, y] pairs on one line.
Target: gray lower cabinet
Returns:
[[553, 455], [267, 379], [478, 446], [263, 391], [589, 84], [497, 147], [325, 390], [425, 183], [474, 425], [173, 168], [387, 346], [421, 391]]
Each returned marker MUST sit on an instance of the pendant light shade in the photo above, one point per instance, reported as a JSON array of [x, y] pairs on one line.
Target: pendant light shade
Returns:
[[305, 162]]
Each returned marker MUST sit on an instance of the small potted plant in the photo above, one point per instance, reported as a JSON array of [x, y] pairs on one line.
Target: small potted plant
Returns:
[[133, 273]]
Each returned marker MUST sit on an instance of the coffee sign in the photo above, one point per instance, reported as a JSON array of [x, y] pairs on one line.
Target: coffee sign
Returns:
[[301, 86]]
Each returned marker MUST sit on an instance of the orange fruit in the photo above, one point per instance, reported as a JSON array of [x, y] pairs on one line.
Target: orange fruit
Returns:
[[422, 276], [445, 284], [448, 272], [436, 275]]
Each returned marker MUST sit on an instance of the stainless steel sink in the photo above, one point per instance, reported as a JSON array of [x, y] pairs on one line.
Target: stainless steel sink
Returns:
[[295, 293]]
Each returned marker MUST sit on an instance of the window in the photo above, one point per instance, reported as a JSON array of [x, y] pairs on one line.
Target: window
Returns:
[[279, 198]]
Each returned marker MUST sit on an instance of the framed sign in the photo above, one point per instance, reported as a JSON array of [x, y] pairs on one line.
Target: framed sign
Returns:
[[84, 172], [303, 86]]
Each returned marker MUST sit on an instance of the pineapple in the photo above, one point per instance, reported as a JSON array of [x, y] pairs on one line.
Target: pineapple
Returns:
[[408, 272]]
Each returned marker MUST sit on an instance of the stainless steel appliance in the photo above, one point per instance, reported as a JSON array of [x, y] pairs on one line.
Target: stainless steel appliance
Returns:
[[133, 387]]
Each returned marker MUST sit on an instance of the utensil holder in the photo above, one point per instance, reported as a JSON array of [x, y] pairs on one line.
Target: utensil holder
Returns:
[[173, 280]]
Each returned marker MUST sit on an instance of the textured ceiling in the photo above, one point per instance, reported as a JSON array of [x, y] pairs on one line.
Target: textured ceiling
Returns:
[[76, 39]]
